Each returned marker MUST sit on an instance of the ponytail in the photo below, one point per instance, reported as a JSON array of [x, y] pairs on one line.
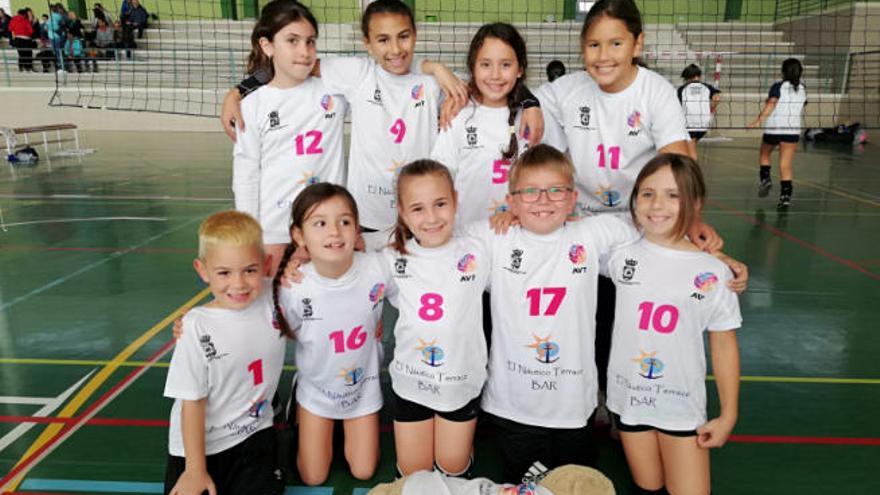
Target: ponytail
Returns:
[[792, 71], [278, 313]]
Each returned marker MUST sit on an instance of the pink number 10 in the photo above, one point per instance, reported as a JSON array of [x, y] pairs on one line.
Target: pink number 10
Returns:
[[655, 317]]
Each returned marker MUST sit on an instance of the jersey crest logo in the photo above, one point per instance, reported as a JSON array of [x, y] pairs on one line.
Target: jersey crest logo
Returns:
[[208, 347], [585, 115], [634, 121], [516, 259], [651, 367], [400, 266], [377, 96], [471, 135], [629, 269], [546, 349], [307, 308], [274, 119], [431, 353], [351, 376]]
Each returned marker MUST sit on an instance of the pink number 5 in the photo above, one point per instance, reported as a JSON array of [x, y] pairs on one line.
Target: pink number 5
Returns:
[[499, 171]]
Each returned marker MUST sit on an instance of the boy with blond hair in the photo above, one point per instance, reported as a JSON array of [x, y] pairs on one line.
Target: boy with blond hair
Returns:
[[225, 370]]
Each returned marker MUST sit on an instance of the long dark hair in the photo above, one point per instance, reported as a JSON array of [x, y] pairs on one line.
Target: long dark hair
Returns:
[[625, 11], [307, 200], [418, 168], [386, 7], [688, 180], [511, 37], [792, 70], [274, 16]]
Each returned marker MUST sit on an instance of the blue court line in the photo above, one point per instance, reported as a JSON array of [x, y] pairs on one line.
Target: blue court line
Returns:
[[90, 486]]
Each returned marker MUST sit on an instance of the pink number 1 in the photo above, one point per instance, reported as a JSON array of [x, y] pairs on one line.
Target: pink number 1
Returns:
[[256, 368], [614, 151], [399, 130]]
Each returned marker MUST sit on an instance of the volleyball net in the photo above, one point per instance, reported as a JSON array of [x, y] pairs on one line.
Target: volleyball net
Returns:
[[193, 51]]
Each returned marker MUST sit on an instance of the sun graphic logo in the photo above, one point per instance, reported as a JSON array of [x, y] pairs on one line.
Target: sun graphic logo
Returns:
[[377, 293], [634, 121], [308, 178], [705, 281], [607, 196], [395, 167], [577, 254], [327, 103], [651, 367], [418, 92], [257, 408], [351, 376], [431, 353], [547, 350]]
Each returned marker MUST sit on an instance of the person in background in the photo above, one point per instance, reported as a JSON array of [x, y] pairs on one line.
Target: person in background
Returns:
[[22, 33]]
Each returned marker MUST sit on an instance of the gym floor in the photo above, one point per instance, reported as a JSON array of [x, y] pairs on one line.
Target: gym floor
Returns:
[[96, 261]]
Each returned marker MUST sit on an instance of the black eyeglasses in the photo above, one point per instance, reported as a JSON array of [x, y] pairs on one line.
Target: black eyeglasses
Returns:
[[532, 194]]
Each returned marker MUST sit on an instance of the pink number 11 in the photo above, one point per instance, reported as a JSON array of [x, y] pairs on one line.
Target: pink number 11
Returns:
[[614, 151]]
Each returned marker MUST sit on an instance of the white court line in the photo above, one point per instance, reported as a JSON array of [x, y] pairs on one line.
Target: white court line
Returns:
[[33, 401], [61, 280], [46, 410], [92, 219], [98, 196]]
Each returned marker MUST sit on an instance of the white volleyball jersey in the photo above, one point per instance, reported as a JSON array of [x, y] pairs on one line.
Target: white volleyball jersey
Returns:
[[393, 122], [233, 358], [696, 100], [665, 299], [786, 116], [293, 138], [610, 136], [440, 350], [336, 350], [543, 297], [472, 150]]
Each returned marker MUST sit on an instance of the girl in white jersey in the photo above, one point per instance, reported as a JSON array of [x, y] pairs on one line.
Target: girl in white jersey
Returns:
[[699, 101], [614, 117], [481, 142], [668, 294], [782, 126], [295, 136], [336, 352], [439, 363]]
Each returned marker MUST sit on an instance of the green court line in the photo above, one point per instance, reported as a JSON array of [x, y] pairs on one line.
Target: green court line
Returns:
[[164, 364]]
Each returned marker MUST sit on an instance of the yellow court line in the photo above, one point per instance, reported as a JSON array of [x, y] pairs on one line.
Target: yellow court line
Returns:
[[164, 364], [821, 187], [98, 379]]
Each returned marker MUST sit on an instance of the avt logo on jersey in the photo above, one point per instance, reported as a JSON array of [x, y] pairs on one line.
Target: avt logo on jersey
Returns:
[[351, 376], [704, 283], [274, 120], [328, 105], [547, 350], [578, 256], [418, 94], [628, 271], [400, 268], [431, 353], [467, 265], [377, 294], [650, 367], [471, 136], [634, 122], [516, 256]]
